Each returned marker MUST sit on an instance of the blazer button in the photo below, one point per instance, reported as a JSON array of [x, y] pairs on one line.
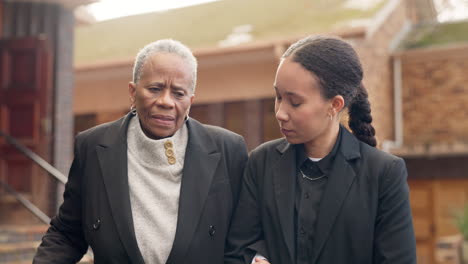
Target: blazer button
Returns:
[[212, 230], [97, 224]]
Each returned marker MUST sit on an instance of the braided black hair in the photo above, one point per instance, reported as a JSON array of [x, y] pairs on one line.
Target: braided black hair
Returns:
[[335, 63]]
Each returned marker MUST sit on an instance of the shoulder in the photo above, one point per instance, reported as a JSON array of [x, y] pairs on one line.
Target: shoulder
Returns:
[[100, 132], [383, 168], [269, 148], [375, 154], [221, 133], [377, 158], [270, 145], [218, 134]]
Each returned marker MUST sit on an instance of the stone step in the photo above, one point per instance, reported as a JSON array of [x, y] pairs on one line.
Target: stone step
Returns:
[[18, 252], [18, 244], [20, 233]]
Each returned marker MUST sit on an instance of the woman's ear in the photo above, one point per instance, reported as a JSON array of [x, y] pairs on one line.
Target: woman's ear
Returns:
[[337, 104], [132, 90]]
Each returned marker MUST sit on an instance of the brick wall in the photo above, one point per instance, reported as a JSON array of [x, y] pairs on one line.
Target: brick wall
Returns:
[[375, 54], [435, 95]]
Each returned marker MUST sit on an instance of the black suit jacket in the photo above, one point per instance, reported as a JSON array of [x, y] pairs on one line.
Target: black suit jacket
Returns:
[[96, 209], [364, 214]]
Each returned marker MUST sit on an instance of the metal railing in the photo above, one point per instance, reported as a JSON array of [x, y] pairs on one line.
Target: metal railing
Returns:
[[26, 203], [43, 164], [35, 158]]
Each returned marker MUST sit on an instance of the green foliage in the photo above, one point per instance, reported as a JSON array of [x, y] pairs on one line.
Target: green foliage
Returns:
[[461, 221], [437, 34]]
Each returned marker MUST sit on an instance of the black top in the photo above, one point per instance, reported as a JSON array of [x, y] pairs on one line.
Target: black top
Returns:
[[364, 217], [311, 182]]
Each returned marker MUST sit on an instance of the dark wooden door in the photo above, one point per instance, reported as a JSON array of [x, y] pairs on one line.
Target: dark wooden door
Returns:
[[422, 207], [25, 113]]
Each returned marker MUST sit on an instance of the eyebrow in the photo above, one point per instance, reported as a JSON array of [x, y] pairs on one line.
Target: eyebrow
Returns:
[[179, 89], [162, 84], [287, 92], [155, 84]]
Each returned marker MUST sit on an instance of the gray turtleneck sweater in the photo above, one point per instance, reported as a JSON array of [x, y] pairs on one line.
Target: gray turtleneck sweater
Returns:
[[154, 183]]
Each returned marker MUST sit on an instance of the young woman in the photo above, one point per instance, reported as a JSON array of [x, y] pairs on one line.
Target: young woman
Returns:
[[322, 194]]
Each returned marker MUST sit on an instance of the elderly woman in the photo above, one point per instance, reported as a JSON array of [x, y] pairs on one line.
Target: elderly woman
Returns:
[[322, 194], [154, 186]]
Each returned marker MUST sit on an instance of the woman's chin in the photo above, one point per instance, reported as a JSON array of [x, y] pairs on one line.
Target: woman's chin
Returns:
[[293, 140]]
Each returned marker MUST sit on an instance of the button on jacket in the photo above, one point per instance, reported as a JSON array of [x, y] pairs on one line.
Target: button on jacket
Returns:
[[96, 209]]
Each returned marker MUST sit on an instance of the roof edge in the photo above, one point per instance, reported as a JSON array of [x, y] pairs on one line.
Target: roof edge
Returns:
[[357, 32]]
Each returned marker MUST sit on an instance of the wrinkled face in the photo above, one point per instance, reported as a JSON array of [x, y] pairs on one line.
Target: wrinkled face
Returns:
[[302, 112], [163, 94]]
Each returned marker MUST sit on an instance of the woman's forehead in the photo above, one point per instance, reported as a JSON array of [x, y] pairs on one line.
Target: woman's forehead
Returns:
[[166, 65], [293, 78]]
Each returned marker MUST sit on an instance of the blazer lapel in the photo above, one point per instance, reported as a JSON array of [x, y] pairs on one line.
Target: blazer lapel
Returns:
[[339, 182], [201, 161], [112, 155], [284, 179]]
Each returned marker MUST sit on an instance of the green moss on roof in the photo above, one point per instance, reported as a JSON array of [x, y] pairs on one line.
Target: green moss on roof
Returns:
[[436, 35], [205, 25]]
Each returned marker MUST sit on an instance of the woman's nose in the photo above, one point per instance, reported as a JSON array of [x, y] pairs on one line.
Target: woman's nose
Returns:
[[280, 114], [165, 99]]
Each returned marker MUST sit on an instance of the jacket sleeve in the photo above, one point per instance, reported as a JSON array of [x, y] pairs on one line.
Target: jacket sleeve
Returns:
[[64, 241], [246, 229], [394, 240]]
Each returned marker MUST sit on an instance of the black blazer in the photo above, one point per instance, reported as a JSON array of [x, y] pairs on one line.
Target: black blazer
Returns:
[[96, 209], [364, 214]]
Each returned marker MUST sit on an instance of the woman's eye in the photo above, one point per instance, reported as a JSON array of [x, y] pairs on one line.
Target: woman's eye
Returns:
[[179, 94], [295, 104], [154, 89]]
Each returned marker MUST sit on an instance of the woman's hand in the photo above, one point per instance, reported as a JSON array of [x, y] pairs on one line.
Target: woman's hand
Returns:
[[261, 261]]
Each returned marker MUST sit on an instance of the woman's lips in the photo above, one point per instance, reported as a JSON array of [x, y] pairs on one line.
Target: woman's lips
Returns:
[[163, 120], [287, 132]]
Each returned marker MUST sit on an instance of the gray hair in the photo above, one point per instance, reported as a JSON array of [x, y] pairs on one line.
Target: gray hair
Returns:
[[165, 46]]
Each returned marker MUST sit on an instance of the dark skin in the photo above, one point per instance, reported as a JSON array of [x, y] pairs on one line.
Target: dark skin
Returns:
[[163, 94]]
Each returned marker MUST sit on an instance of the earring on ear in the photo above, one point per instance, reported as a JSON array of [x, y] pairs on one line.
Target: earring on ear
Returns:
[[132, 106], [187, 114], [133, 109], [331, 116]]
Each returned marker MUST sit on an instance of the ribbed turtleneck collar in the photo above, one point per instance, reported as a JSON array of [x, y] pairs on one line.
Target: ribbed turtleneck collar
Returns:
[[154, 152]]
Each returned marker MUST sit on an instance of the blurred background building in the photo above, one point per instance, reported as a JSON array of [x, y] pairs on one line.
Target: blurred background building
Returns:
[[63, 71]]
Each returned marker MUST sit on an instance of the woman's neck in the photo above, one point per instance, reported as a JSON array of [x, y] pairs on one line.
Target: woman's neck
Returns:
[[323, 144]]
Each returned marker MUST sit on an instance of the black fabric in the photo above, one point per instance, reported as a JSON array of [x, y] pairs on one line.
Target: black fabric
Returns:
[[308, 196], [364, 213], [307, 210], [97, 191]]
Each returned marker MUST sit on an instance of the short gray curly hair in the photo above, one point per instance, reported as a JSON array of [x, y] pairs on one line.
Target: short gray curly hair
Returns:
[[165, 46]]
